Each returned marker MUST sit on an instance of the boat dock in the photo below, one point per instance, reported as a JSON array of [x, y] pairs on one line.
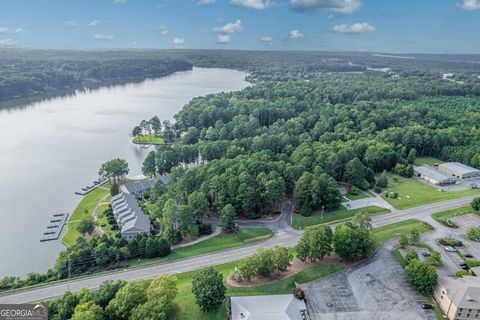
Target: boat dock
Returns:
[[89, 188], [54, 229]]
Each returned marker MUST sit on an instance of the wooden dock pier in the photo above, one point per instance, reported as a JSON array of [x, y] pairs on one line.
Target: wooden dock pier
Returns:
[[54, 231]]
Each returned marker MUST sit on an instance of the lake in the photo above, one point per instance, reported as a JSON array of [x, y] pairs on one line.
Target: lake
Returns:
[[52, 148]]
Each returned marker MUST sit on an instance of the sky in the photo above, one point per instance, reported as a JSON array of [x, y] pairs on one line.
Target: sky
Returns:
[[396, 26]]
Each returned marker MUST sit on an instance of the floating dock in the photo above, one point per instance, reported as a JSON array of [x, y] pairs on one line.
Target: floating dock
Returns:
[[54, 229], [88, 189]]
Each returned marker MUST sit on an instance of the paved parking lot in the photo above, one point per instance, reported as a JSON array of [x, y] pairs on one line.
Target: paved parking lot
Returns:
[[463, 223], [376, 289]]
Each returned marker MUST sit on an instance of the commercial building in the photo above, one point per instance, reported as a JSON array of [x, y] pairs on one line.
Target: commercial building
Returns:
[[459, 298], [433, 176], [141, 188], [273, 307], [459, 170], [129, 216]]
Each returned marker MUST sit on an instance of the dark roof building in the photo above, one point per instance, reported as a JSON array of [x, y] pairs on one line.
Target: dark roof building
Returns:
[[129, 216], [142, 188]]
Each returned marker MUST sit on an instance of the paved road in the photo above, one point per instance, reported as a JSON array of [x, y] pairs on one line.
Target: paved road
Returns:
[[286, 237]]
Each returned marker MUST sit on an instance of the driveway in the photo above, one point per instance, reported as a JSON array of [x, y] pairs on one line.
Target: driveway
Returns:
[[367, 202], [278, 226], [375, 289]]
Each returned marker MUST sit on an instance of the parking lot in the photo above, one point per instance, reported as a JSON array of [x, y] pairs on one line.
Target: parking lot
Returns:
[[463, 223], [376, 289]]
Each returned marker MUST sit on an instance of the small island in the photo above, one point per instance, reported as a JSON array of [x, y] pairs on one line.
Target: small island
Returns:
[[150, 132]]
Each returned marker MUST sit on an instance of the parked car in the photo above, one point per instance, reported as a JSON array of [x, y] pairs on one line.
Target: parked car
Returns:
[[477, 239], [464, 266], [450, 249], [426, 253], [427, 306], [468, 255]]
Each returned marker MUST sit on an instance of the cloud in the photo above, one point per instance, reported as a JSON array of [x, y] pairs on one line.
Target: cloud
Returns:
[[224, 39], [341, 6], [354, 28], [7, 42], [103, 37], [162, 30], [295, 34], [6, 30], [18, 30], [71, 23], [268, 40], [253, 4], [178, 42], [119, 1], [205, 2], [94, 23], [3, 29], [469, 5], [230, 27]]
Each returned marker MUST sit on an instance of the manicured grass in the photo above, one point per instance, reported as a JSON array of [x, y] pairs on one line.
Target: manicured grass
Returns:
[[188, 309], [444, 215], [102, 220], [221, 242], [83, 210], [429, 161], [358, 196], [340, 214], [382, 234], [413, 193], [148, 139]]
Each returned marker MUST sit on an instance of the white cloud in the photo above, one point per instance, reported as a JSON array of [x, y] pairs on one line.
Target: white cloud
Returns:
[[3, 29], [7, 42], [103, 37], [71, 23], [6, 30], [119, 1], [178, 42], [253, 4], [268, 40], [469, 5], [18, 30], [94, 23], [204, 2], [224, 39], [295, 34], [354, 28], [341, 6], [162, 30], [230, 27]]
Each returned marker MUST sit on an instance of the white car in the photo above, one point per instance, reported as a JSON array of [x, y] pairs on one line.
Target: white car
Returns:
[[450, 249]]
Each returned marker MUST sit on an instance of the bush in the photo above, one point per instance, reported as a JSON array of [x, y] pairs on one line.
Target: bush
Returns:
[[422, 276], [208, 288], [204, 229], [298, 293], [475, 204], [473, 233], [378, 189], [473, 263], [450, 242], [411, 255], [353, 190]]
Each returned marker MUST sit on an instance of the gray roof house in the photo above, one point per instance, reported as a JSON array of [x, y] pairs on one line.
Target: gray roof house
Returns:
[[273, 307], [459, 298], [141, 188], [129, 216]]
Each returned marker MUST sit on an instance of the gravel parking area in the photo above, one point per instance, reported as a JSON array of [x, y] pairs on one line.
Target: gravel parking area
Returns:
[[376, 289]]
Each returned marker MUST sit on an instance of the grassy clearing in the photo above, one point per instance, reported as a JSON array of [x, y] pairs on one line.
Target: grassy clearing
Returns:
[[221, 242], [429, 161], [382, 234], [413, 193], [444, 215], [358, 196], [83, 210], [148, 139], [102, 220], [340, 214], [188, 309]]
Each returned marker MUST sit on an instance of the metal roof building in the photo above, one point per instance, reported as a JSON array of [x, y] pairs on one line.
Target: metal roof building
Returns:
[[273, 307], [459, 170], [129, 216], [433, 176]]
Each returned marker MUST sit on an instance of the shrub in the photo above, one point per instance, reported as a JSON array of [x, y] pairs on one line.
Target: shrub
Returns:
[[298, 293], [450, 242], [473, 233], [462, 273], [204, 229]]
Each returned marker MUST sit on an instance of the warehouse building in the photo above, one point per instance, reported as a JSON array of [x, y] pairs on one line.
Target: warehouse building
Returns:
[[433, 176], [459, 170]]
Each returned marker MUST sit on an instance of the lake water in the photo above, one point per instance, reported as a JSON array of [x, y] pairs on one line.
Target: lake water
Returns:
[[53, 148]]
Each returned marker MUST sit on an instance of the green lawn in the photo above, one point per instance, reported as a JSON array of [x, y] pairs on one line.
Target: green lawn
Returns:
[[102, 220], [429, 161], [188, 309], [148, 139], [413, 193], [382, 234], [83, 210], [358, 196], [340, 214], [444, 215], [221, 242]]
